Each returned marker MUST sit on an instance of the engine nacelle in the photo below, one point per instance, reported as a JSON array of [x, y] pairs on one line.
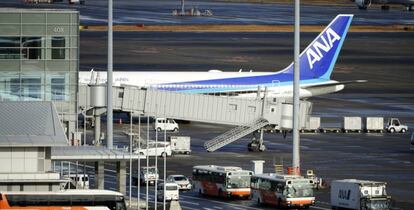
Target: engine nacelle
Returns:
[[363, 4]]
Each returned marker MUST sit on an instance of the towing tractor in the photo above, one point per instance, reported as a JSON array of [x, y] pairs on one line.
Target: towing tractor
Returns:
[[394, 125], [359, 195]]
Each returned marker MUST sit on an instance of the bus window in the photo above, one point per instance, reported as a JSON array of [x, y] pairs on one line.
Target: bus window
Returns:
[[37, 200], [59, 200], [80, 200], [16, 200]]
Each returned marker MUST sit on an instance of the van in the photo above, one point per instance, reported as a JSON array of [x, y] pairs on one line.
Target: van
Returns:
[[80, 180], [162, 124], [171, 191], [154, 149]]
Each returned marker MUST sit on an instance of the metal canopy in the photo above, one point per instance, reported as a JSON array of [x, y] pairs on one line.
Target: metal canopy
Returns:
[[30, 124], [91, 153]]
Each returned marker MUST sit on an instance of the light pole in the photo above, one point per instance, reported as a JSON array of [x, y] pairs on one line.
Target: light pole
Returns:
[[296, 85], [109, 117]]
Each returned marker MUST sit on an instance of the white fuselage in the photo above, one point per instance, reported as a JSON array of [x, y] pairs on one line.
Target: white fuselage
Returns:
[[164, 80]]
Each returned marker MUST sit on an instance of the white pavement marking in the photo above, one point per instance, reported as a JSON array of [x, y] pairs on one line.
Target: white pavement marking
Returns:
[[322, 208], [223, 203], [217, 207], [191, 203]]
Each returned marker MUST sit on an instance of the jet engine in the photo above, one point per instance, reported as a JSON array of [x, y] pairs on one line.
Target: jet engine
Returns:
[[363, 4]]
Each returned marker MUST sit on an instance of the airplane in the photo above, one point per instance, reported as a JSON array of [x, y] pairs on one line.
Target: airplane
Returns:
[[364, 4], [317, 62]]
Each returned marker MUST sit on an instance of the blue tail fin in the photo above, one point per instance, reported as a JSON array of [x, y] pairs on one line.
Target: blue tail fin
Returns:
[[319, 58]]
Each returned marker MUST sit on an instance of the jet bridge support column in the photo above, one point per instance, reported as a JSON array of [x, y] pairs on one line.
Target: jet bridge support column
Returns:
[[97, 130], [257, 142], [99, 175], [121, 176]]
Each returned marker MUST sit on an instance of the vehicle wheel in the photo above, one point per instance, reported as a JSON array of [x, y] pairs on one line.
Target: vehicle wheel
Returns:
[[403, 130], [392, 130], [159, 129], [162, 154], [175, 130]]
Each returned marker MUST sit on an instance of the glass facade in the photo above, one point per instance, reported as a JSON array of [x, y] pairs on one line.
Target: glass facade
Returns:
[[39, 56]]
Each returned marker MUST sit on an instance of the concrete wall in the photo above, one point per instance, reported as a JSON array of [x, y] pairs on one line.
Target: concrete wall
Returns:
[[25, 160]]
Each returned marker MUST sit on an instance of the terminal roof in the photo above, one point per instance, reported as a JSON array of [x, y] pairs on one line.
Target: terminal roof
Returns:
[[35, 10], [91, 153], [30, 124]]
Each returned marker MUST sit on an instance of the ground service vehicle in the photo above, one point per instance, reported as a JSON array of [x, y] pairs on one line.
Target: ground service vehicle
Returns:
[[282, 190], [182, 181], [180, 144], [359, 195], [222, 181], [394, 125], [148, 174], [81, 180], [69, 199], [155, 149], [374, 124], [171, 191], [165, 124]]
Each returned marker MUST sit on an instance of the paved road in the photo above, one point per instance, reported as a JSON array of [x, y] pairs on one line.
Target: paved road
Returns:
[[159, 13]]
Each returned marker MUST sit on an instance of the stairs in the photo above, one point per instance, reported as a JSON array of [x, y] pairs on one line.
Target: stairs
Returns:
[[234, 134]]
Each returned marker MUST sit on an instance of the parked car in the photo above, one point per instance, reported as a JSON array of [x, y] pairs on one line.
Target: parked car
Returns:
[[182, 181]]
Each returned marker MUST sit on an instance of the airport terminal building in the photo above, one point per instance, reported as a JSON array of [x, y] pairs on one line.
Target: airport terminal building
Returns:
[[39, 58]]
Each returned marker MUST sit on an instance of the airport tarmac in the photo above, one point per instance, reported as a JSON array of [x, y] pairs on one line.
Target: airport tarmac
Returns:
[[159, 13], [374, 156], [384, 59]]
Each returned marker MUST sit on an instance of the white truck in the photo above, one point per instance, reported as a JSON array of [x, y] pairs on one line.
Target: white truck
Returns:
[[359, 195], [394, 125], [180, 144]]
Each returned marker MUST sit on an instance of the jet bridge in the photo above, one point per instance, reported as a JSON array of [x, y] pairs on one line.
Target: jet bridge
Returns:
[[247, 114]]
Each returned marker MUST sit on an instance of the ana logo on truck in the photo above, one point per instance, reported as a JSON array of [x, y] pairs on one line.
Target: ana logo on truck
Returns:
[[344, 194]]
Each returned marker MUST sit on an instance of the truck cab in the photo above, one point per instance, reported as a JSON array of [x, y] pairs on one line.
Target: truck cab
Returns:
[[162, 124], [394, 125]]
